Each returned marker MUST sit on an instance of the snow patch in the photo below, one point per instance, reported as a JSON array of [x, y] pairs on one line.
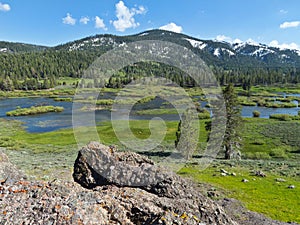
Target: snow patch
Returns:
[[239, 45], [3, 49], [217, 52], [284, 56], [143, 34], [95, 40], [228, 51], [196, 44], [262, 52]]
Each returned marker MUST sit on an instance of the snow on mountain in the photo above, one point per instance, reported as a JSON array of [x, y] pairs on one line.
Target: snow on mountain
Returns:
[[231, 53], [94, 42], [261, 52], [3, 49], [217, 52], [143, 34], [245, 53], [196, 44], [223, 51]]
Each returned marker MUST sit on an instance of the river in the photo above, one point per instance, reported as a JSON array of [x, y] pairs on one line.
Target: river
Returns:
[[53, 121]]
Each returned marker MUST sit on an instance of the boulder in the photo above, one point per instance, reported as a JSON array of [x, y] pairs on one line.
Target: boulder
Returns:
[[98, 166], [8, 172]]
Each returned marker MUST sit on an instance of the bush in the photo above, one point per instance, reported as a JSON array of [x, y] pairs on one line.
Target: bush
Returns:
[[258, 142], [278, 153], [282, 117], [203, 114], [257, 155], [256, 113]]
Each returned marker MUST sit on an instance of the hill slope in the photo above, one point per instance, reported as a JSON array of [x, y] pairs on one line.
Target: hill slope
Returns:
[[213, 52], [231, 62], [11, 47]]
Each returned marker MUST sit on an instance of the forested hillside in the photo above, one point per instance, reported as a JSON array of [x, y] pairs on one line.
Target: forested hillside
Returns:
[[31, 67]]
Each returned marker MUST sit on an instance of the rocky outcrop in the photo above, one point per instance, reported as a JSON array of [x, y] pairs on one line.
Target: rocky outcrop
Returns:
[[8, 172], [166, 196], [107, 198]]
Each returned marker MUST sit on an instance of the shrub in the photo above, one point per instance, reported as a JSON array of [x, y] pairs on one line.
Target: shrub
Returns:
[[278, 153], [257, 155], [256, 113], [282, 117], [258, 142]]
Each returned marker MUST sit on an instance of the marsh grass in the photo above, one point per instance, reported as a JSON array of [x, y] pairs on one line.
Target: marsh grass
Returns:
[[34, 110]]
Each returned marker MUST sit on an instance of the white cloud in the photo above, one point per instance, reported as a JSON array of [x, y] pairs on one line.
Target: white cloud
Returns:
[[290, 24], [84, 20], [171, 27], [139, 10], [228, 39], [69, 19], [4, 7], [276, 44], [126, 16], [99, 23], [234, 41], [282, 11]]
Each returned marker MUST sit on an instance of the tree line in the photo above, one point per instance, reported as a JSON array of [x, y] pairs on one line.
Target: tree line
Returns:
[[40, 70]]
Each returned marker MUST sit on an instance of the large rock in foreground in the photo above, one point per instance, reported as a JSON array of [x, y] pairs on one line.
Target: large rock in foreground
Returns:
[[161, 197], [169, 201]]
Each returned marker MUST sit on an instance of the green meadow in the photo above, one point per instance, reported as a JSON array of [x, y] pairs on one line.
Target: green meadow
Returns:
[[268, 145]]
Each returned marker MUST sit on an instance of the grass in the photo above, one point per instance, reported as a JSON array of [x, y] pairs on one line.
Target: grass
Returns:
[[263, 195], [49, 154], [34, 110], [271, 139], [280, 105], [158, 111], [38, 93]]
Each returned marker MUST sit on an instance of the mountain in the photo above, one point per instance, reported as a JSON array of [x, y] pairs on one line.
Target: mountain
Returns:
[[10, 47], [240, 63], [225, 54]]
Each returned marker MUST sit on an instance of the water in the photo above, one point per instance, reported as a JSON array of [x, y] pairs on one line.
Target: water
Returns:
[[266, 112], [42, 122], [54, 121]]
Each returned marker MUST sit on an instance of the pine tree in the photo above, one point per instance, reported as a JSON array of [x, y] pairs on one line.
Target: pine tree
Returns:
[[187, 134], [232, 139]]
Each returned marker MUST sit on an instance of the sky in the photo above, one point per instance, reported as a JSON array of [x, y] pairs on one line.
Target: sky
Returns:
[[272, 22]]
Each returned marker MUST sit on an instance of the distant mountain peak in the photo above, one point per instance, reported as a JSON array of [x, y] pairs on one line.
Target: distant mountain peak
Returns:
[[214, 52]]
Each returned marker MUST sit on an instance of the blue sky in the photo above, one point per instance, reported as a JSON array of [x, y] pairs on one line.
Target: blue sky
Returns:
[[46, 22]]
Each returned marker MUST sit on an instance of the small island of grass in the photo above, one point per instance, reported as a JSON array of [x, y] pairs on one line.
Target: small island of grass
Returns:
[[34, 110], [63, 99]]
